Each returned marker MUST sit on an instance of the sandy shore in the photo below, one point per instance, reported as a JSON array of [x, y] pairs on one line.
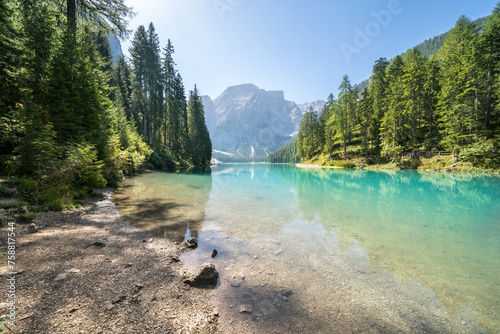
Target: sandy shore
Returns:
[[87, 271], [314, 166]]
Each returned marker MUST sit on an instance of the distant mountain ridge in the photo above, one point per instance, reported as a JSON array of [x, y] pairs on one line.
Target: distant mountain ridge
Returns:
[[249, 123]]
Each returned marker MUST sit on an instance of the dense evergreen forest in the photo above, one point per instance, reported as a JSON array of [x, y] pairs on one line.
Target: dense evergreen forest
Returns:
[[432, 46], [287, 153], [416, 104], [71, 120]]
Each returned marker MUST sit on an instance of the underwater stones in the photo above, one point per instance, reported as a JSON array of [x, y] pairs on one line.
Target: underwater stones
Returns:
[[206, 276], [246, 309], [191, 243]]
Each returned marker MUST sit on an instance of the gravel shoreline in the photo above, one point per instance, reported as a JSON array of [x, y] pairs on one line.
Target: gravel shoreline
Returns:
[[87, 271]]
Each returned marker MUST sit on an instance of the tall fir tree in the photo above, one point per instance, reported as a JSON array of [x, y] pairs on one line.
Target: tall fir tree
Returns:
[[181, 106], [489, 45], [365, 107], [323, 120], [309, 137], [430, 128], [378, 88], [341, 116], [154, 86], [459, 100], [122, 81], [171, 134], [138, 51], [201, 145], [414, 72], [393, 126]]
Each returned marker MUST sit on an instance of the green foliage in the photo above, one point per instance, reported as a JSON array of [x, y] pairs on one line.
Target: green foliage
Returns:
[[161, 160], [26, 217], [432, 46], [343, 114], [341, 164], [418, 104], [6, 192], [309, 137], [199, 138], [482, 154], [459, 106], [286, 154]]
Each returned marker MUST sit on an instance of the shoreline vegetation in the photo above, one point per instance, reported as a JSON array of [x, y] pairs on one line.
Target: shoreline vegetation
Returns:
[[72, 118], [446, 163], [413, 107]]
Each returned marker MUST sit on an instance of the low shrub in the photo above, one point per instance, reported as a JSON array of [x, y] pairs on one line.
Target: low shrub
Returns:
[[161, 160], [342, 164], [481, 154]]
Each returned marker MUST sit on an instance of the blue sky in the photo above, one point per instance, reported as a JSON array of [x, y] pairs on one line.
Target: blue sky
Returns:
[[301, 47]]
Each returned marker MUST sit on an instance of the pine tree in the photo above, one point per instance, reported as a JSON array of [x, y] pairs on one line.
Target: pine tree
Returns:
[[8, 49], [39, 27], [139, 66], [414, 94], [430, 128], [459, 100], [181, 106], [171, 113], [365, 110], [489, 45], [340, 117], [323, 120], [122, 81], [108, 15], [154, 86], [309, 136], [378, 89], [75, 98], [201, 145], [393, 127]]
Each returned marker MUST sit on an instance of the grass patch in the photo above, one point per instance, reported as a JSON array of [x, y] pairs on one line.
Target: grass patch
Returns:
[[341, 164], [26, 217]]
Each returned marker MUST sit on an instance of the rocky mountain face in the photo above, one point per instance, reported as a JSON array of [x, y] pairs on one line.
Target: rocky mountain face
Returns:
[[246, 121], [116, 47]]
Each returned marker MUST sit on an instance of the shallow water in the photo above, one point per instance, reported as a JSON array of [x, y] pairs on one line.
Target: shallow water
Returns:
[[333, 250]]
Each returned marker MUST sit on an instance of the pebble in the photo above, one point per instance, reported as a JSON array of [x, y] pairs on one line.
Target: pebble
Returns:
[[246, 309]]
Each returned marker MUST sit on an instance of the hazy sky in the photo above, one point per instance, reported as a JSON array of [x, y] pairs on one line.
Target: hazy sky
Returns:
[[301, 47]]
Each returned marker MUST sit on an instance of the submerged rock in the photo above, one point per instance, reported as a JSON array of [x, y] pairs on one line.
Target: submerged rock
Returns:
[[190, 243], [214, 253], [246, 309], [207, 275]]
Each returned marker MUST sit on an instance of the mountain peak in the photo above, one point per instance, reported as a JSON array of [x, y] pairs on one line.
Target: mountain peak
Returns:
[[247, 121]]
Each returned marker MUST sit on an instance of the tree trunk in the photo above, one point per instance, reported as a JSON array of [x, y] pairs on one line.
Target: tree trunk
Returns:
[[345, 150]]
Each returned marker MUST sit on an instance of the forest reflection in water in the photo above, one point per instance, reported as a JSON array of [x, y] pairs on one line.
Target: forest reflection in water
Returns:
[[435, 228]]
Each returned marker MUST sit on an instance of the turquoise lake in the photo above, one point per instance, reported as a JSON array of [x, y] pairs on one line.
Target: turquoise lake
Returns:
[[333, 250]]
